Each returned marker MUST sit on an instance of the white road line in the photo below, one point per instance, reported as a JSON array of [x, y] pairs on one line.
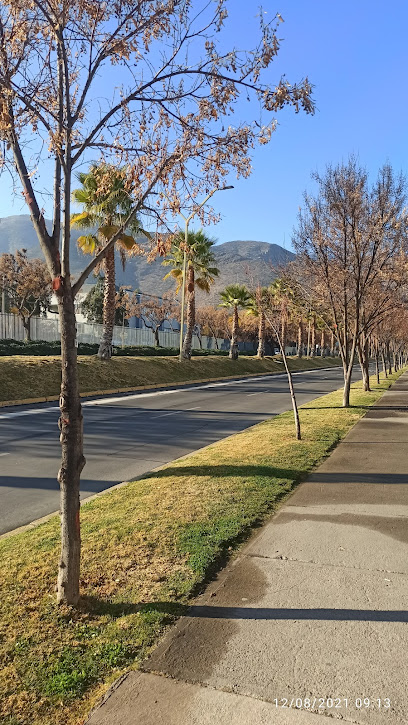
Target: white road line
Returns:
[[249, 394], [31, 411], [134, 396], [4, 454], [162, 415], [196, 408]]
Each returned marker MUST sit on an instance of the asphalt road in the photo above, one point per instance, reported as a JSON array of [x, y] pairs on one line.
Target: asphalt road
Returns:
[[128, 435]]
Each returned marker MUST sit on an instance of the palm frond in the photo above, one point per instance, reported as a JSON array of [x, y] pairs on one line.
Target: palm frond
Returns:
[[88, 244]]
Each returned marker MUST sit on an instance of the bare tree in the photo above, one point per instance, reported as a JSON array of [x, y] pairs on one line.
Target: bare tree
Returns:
[[214, 322], [153, 311], [351, 240], [167, 89], [27, 283], [271, 306]]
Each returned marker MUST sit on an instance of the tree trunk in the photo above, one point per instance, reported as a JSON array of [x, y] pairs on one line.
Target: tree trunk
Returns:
[[261, 335], [347, 386], [187, 344], [290, 382], [332, 345], [313, 342], [233, 354], [300, 338], [348, 361], [322, 343], [109, 294], [362, 350], [283, 329], [72, 460], [292, 395], [377, 367], [366, 365], [384, 364], [213, 333], [156, 336], [27, 328], [389, 360]]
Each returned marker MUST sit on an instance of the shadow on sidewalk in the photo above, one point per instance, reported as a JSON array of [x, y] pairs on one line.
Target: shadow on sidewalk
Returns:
[[176, 609], [384, 479], [340, 615]]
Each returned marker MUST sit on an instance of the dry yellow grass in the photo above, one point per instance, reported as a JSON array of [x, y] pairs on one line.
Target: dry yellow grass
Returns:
[[146, 547], [23, 377]]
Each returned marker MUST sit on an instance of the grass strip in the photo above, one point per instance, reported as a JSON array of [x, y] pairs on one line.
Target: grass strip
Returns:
[[24, 378], [147, 547]]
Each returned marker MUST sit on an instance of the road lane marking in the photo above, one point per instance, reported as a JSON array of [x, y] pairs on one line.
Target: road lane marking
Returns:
[[162, 415], [196, 408], [32, 411], [4, 454], [134, 396]]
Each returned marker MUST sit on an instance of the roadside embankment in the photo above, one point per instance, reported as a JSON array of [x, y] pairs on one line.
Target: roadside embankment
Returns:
[[36, 379], [147, 546]]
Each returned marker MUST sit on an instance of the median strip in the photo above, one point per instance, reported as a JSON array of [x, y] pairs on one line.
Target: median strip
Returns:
[[39, 379], [147, 547]]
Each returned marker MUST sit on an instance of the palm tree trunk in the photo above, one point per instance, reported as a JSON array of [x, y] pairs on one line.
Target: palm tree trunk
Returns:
[[234, 340], [187, 344], [109, 293], [300, 338], [261, 335]]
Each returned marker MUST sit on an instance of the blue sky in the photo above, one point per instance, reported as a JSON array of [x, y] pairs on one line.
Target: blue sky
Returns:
[[356, 54]]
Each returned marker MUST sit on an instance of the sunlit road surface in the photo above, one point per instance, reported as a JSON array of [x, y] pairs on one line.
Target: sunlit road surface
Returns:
[[128, 435]]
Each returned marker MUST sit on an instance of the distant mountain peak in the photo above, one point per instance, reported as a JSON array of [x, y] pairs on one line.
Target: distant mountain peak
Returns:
[[236, 259]]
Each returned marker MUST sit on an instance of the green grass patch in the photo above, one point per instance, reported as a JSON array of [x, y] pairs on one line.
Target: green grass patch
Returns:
[[147, 547], [23, 377]]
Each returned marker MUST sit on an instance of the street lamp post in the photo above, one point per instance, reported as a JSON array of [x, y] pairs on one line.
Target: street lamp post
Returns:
[[187, 221]]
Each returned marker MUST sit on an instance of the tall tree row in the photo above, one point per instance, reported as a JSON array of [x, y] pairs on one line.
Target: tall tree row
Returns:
[[352, 244]]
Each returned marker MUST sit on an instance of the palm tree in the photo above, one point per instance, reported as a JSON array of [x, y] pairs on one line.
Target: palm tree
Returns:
[[107, 202], [235, 296], [201, 273], [256, 308]]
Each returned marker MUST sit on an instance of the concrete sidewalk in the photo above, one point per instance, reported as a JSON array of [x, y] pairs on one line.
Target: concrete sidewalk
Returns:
[[310, 621]]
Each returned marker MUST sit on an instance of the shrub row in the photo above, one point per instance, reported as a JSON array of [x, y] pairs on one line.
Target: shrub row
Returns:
[[42, 347]]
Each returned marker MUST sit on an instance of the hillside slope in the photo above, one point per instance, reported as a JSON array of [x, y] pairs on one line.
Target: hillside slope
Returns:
[[239, 261]]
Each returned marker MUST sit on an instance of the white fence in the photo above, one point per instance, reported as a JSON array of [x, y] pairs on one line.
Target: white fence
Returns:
[[11, 327]]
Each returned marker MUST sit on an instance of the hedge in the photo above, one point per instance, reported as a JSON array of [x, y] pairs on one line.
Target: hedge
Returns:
[[43, 347]]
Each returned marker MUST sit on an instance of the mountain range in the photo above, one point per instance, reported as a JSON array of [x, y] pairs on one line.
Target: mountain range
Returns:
[[242, 262]]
